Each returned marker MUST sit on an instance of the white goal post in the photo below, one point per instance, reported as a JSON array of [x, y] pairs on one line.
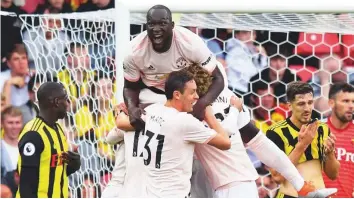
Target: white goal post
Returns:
[[275, 15]]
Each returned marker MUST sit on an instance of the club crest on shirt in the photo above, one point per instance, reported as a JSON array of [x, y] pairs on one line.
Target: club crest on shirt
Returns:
[[181, 62]]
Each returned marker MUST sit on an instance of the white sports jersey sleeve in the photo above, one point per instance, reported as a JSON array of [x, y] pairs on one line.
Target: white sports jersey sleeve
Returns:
[[195, 131]]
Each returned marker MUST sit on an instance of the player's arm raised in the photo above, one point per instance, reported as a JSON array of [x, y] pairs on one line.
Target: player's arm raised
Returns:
[[30, 147], [131, 90]]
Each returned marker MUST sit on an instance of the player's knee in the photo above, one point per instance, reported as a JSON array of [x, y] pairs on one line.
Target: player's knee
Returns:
[[248, 132]]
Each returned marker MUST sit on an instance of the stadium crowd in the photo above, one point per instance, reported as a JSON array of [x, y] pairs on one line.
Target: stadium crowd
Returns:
[[259, 65]]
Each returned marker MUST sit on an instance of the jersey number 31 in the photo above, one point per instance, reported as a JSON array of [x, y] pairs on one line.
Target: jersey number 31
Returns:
[[150, 135]]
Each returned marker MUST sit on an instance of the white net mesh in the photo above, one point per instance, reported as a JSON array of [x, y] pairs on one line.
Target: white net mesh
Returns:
[[318, 48]]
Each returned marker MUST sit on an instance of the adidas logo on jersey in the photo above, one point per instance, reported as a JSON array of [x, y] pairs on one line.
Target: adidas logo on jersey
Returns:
[[342, 154]]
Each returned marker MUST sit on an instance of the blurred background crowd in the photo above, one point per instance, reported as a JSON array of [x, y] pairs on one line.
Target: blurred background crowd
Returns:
[[80, 54]]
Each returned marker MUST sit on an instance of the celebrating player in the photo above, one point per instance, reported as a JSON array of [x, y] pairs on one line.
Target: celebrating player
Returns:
[[45, 162], [171, 134], [341, 101], [237, 176], [309, 146], [158, 51]]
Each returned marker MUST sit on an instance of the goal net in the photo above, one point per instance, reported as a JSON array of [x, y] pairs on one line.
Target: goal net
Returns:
[[79, 50]]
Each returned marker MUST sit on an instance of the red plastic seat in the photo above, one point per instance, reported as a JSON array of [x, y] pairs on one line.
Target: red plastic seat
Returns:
[[317, 44], [348, 49], [305, 73]]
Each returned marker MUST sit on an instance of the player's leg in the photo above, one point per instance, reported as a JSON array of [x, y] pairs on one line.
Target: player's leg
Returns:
[[241, 190], [200, 186]]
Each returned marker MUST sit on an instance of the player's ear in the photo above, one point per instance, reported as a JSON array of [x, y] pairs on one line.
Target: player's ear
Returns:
[[173, 24], [177, 95], [289, 105]]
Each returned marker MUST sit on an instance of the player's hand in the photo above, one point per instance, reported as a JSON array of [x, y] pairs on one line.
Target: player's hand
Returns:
[[353, 193], [307, 134], [199, 110], [72, 159], [119, 108], [18, 81], [135, 118], [236, 102], [329, 144]]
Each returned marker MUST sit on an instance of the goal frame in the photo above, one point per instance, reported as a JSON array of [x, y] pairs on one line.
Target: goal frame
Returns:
[[124, 8]]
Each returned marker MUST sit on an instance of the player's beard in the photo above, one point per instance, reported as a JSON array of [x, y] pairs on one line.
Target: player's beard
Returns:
[[342, 117]]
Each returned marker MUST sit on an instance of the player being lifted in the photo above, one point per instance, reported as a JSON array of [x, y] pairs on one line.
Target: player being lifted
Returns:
[[158, 51], [309, 147], [231, 172]]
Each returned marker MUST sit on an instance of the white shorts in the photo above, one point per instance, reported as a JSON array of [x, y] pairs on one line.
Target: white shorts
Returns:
[[241, 190], [112, 190]]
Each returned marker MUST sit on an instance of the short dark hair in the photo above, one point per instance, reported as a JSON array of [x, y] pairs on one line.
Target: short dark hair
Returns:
[[297, 88], [258, 85], [47, 91], [16, 48], [160, 7], [176, 81], [73, 45], [338, 87]]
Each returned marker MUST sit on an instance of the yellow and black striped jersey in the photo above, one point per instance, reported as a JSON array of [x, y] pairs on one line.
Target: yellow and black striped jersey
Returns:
[[42, 172], [285, 135]]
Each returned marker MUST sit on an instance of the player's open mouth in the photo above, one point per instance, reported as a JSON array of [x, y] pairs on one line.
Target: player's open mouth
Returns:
[[194, 103], [158, 39]]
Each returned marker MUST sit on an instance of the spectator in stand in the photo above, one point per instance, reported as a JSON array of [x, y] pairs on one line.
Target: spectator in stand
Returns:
[[243, 60], [94, 5], [92, 122], [329, 73], [5, 191], [212, 43], [263, 103], [12, 123], [13, 82], [77, 74], [11, 180], [267, 188], [53, 6], [89, 189], [3, 104], [341, 123], [12, 25], [46, 45], [97, 114], [277, 74]]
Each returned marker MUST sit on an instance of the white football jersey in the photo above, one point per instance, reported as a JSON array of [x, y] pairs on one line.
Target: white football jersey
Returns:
[[170, 137], [153, 68], [134, 174], [233, 165]]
